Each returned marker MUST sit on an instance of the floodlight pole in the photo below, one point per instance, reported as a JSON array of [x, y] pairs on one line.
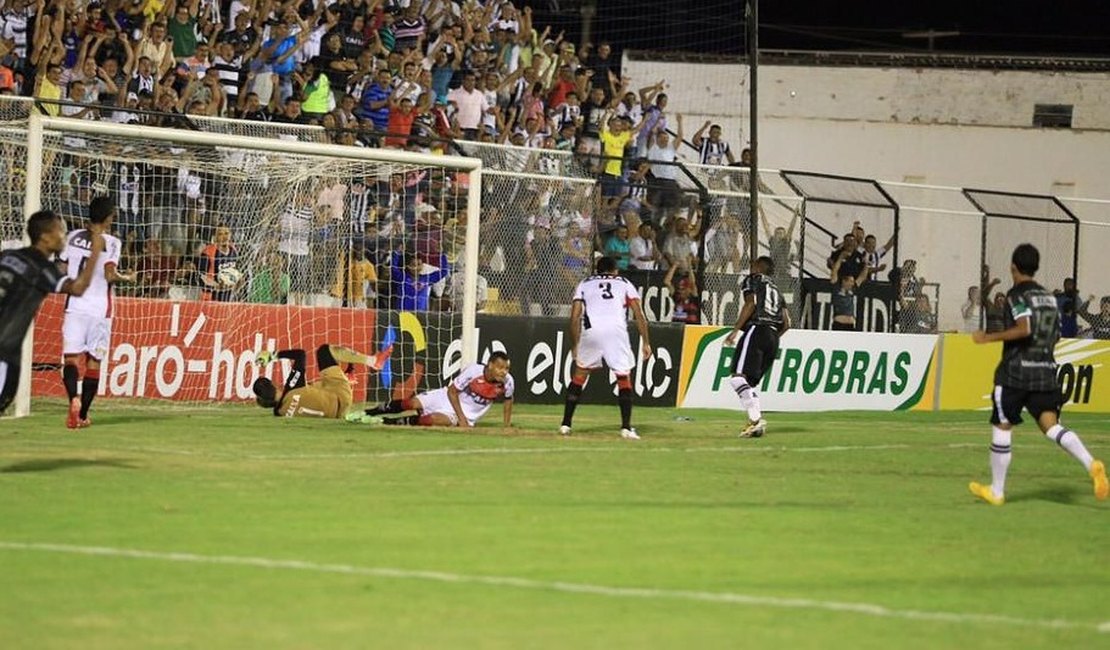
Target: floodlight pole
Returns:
[[752, 23]]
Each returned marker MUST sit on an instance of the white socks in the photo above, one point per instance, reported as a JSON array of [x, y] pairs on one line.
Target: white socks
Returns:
[[1000, 460], [749, 399], [1071, 443]]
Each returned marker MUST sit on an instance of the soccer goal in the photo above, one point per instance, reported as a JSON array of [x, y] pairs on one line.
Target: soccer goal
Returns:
[[248, 243]]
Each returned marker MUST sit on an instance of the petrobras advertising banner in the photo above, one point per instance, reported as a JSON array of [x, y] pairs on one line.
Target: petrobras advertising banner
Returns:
[[813, 371]]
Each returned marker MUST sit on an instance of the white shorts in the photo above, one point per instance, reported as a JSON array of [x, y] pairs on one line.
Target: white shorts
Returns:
[[436, 401], [612, 347], [83, 333]]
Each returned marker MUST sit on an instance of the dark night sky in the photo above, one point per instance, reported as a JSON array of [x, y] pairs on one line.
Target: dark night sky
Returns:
[[1063, 27]]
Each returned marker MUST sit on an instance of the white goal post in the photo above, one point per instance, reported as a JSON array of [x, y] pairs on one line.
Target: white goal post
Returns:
[[42, 157]]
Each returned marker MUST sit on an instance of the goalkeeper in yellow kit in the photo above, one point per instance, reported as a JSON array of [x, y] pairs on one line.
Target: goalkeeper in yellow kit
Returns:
[[328, 397]]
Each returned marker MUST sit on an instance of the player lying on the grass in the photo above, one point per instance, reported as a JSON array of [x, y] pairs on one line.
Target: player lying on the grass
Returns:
[[328, 397], [1026, 377], [26, 276], [460, 404], [87, 327]]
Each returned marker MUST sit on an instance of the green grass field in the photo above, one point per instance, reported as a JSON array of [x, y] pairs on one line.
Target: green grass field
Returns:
[[226, 528]]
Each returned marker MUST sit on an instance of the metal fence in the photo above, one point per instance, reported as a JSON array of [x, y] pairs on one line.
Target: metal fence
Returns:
[[544, 221]]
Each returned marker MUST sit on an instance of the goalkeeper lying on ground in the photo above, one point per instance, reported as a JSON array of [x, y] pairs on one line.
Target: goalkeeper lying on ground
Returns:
[[328, 397]]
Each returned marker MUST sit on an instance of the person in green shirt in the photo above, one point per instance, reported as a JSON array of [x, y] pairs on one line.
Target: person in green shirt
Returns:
[[182, 29], [270, 284]]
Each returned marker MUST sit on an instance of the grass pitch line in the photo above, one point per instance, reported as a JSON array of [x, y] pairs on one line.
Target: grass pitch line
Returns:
[[865, 609]]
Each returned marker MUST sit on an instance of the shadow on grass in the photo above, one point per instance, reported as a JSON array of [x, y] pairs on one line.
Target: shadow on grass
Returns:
[[1066, 494], [55, 464]]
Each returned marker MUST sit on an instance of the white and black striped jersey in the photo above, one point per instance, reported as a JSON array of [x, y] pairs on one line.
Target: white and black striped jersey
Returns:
[[769, 307], [1030, 363], [605, 301], [714, 153]]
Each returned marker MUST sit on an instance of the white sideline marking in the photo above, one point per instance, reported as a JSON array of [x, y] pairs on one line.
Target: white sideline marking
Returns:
[[866, 609], [512, 451]]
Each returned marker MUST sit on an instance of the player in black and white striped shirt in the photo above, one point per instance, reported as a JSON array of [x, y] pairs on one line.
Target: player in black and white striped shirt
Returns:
[[1026, 377], [763, 319]]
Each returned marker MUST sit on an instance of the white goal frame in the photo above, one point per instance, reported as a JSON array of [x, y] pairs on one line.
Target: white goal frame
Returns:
[[38, 125]]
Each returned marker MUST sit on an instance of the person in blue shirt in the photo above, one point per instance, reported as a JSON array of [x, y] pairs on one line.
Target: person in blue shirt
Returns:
[[412, 287], [277, 53], [375, 100], [1068, 303]]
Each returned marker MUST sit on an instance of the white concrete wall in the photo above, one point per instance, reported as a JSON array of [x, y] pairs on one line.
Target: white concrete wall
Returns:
[[944, 127], [962, 128]]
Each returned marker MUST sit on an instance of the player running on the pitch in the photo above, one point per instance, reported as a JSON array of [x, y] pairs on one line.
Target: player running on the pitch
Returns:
[[599, 332], [459, 404], [1026, 377], [87, 328], [328, 397], [763, 319], [26, 276]]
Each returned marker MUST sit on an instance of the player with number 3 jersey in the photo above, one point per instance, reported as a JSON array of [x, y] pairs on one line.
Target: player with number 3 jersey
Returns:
[[763, 319], [599, 333]]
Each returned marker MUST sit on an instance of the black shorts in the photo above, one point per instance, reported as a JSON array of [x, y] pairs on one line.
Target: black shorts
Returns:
[[755, 352], [1008, 402], [9, 381], [843, 327]]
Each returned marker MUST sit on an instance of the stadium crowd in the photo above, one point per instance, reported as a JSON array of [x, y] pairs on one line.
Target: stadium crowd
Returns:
[[421, 75]]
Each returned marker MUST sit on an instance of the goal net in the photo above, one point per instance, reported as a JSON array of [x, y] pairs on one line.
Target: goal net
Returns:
[[242, 244]]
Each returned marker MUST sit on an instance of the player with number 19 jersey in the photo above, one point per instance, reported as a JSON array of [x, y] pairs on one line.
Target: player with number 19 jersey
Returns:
[[1030, 363], [605, 303]]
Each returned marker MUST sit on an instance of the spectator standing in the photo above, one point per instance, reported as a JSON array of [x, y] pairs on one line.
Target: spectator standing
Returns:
[[643, 253], [182, 29], [619, 248], [666, 194], [850, 258], [873, 256], [593, 112], [712, 150], [216, 256], [678, 249], [1100, 322], [687, 307], [972, 311], [375, 100], [471, 105], [844, 293], [296, 230], [155, 47], [1067, 301], [779, 245]]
